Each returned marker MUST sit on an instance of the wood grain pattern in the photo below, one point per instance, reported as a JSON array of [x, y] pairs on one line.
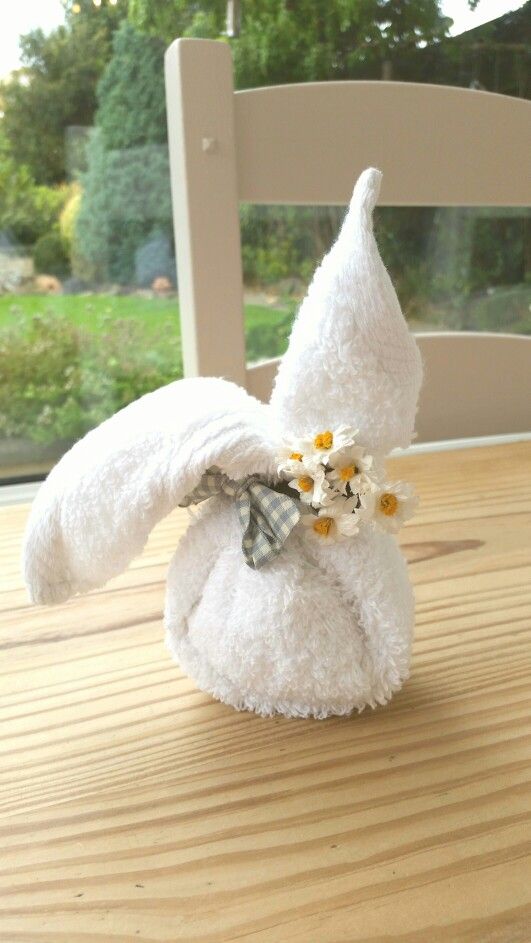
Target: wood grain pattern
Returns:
[[133, 807]]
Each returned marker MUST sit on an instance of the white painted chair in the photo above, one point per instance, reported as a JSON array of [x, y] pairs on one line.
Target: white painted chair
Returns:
[[305, 144]]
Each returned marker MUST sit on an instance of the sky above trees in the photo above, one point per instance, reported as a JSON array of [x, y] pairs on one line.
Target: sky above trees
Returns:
[[25, 15]]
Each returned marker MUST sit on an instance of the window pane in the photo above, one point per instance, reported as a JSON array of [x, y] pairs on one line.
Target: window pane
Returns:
[[88, 289], [88, 286], [453, 268]]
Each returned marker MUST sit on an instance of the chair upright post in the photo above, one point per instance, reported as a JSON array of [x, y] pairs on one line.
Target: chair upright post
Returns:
[[200, 106]]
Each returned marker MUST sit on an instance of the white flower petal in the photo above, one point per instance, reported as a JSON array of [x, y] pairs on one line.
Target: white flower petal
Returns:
[[406, 503], [348, 524]]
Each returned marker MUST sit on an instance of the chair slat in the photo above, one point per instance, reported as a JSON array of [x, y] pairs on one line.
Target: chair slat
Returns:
[[305, 144], [474, 384], [437, 145]]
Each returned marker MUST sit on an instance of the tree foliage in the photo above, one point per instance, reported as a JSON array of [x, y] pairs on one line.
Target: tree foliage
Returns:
[[131, 100], [171, 18], [27, 210], [286, 41], [304, 41], [55, 89], [126, 198]]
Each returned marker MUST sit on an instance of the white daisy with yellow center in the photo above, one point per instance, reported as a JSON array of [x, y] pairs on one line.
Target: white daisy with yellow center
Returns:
[[320, 445], [338, 521], [350, 467], [390, 505], [343, 484], [309, 479], [289, 453]]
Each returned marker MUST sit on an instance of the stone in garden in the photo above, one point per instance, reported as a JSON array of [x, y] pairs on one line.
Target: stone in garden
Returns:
[[161, 285], [48, 285]]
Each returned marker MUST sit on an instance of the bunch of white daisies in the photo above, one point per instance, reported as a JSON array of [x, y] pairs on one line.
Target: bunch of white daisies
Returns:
[[342, 485]]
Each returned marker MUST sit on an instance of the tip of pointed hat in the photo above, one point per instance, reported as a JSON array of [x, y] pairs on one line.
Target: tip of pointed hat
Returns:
[[367, 189]]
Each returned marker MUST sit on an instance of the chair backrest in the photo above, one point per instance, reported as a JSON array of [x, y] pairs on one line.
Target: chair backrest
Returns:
[[305, 144]]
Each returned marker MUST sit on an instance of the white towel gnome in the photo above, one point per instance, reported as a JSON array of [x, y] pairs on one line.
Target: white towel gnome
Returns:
[[288, 592]]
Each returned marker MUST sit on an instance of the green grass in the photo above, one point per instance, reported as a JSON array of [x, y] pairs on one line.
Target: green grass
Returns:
[[86, 311], [95, 311], [68, 362], [504, 309]]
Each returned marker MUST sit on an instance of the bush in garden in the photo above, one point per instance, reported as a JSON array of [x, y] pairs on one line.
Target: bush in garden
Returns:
[[126, 197], [285, 241], [27, 211], [500, 249], [127, 186], [268, 338], [154, 259], [68, 216], [49, 254], [269, 263], [505, 308], [59, 380]]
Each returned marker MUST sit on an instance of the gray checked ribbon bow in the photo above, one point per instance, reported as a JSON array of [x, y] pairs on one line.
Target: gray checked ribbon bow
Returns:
[[267, 516]]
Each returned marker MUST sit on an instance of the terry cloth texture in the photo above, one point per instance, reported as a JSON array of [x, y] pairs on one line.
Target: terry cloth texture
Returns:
[[319, 630], [97, 507], [351, 358]]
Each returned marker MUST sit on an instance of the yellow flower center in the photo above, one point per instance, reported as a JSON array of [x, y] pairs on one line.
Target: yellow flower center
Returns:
[[348, 472], [388, 504], [305, 483], [322, 526], [296, 456], [324, 440]]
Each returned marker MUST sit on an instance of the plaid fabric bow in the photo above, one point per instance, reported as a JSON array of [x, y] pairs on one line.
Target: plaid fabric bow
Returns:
[[267, 516]]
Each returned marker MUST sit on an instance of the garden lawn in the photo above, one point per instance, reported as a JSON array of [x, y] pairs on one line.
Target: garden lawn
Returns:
[[94, 312], [69, 362]]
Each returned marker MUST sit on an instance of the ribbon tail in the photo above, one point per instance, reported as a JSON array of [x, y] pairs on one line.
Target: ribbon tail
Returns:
[[267, 519], [211, 483]]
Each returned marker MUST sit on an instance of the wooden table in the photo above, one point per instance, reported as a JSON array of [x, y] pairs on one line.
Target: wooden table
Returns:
[[136, 808]]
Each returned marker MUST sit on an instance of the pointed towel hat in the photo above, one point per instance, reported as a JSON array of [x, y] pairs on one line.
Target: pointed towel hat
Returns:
[[288, 592], [351, 358]]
